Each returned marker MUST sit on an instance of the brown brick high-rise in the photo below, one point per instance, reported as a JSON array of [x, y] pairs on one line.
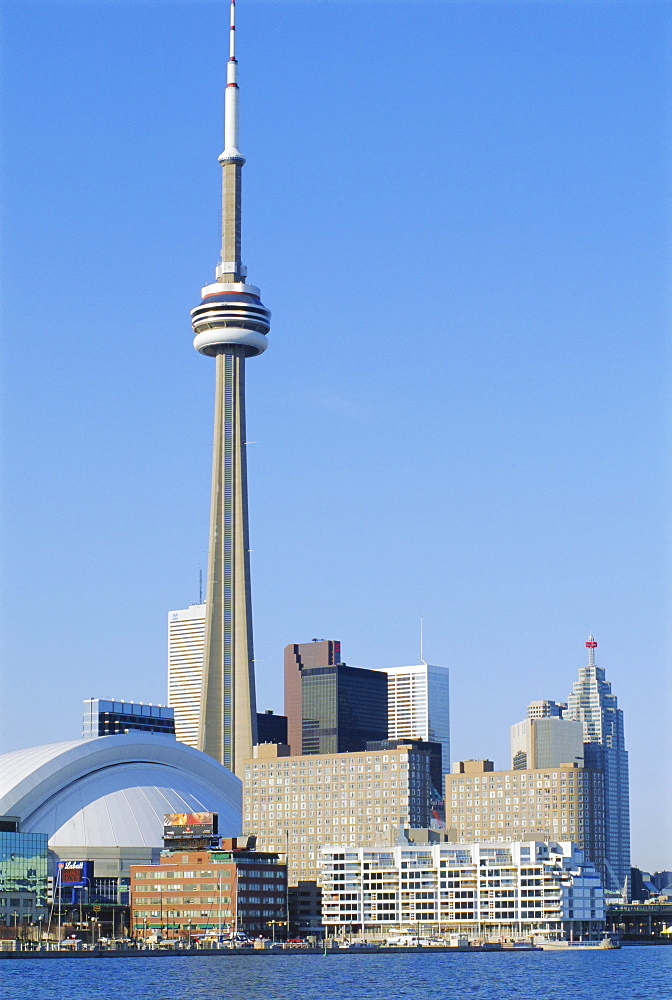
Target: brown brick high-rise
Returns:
[[300, 655]]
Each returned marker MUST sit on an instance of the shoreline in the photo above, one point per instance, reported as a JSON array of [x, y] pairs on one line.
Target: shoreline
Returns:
[[294, 952]]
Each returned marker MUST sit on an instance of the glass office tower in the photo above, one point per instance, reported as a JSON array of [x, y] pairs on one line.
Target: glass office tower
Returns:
[[23, 874], [344, 708], [592, 703]]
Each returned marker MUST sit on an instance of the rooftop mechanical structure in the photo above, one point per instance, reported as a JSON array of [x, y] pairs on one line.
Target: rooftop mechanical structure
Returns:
[[231, 325]]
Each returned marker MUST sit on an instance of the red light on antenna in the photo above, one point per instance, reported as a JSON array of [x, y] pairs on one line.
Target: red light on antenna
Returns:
[[591, 645]]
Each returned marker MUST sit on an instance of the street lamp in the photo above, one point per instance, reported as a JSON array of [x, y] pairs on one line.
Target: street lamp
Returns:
[[88, 896], [273, 923]]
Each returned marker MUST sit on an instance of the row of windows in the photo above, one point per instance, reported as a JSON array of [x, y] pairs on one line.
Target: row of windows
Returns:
[[519, 779], [254, 876], [330, 763]]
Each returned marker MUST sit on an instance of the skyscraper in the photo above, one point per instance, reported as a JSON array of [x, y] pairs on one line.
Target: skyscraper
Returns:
[[230, 324], [318, 653], [344, 708], [592, 703], [330, 706], [186, 643], [418, 703]]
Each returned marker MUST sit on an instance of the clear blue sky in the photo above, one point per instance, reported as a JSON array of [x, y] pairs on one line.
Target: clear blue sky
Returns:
[[458, 213]]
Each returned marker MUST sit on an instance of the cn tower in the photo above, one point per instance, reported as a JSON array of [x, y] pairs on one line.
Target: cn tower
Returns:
[[230, 324]]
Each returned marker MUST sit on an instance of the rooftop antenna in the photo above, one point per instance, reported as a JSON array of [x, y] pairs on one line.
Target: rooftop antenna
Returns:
[[200, 584], [591, 646], [422, 659]]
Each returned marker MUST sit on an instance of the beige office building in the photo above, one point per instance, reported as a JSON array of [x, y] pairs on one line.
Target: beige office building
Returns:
[[296, 805], [186, 643], [546, 742], [560, 803]]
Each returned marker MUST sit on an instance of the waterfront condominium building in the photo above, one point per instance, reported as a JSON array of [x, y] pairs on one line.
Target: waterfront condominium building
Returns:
[[298, 804], [186, 643], [418, 703], [481, 890], [593, 705], [546, 741], [563, 802]]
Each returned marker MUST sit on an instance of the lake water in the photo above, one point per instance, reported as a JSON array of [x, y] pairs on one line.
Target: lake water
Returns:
[[637, 973]]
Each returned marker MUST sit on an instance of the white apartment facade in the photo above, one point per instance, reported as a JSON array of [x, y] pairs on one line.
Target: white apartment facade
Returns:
[[186, 644], [482, 890], [418, 706]]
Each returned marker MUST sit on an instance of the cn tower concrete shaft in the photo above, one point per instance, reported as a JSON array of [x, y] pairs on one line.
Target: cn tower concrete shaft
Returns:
[[230, 324], [228, 700]]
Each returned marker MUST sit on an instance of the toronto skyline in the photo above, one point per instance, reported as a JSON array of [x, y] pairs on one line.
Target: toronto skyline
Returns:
[[457, 214]]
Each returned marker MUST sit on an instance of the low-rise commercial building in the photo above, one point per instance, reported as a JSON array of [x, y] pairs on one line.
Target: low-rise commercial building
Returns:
[[295, 805], [483, 890], [304, 903], [232, 889], [23, 875]]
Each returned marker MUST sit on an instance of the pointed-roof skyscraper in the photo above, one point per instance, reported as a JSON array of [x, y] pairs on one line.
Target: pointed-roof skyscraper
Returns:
[[230, 324], [592, 703]]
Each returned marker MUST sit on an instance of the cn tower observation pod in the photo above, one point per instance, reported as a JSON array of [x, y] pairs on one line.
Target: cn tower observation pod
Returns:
[[230, 314]]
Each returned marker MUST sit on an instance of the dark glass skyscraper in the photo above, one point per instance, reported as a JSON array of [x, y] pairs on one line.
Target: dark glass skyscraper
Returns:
[[344, 708], [330, 706], [299, 656]]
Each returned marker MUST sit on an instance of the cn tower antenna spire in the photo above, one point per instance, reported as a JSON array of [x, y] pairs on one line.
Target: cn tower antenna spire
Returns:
[[230, 324], [231, 96], [230, 267]]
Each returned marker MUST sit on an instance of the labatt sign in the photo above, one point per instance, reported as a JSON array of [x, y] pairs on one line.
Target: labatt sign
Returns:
[[74, 873]]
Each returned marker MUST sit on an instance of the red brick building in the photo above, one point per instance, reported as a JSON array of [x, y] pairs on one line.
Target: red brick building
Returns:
[[233, 888]]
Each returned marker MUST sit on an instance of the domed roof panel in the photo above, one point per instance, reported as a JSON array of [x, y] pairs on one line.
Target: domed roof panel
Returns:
[[113, 791]]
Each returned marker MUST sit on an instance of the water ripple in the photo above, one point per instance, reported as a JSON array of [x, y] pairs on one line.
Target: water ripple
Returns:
[[638, 973]]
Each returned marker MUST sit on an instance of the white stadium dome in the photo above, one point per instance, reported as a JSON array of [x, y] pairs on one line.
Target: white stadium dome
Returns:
[[113, 791]]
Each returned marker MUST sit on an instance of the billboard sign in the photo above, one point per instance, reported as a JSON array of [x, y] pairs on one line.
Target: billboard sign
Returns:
[[75, 874], [180, 825]]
